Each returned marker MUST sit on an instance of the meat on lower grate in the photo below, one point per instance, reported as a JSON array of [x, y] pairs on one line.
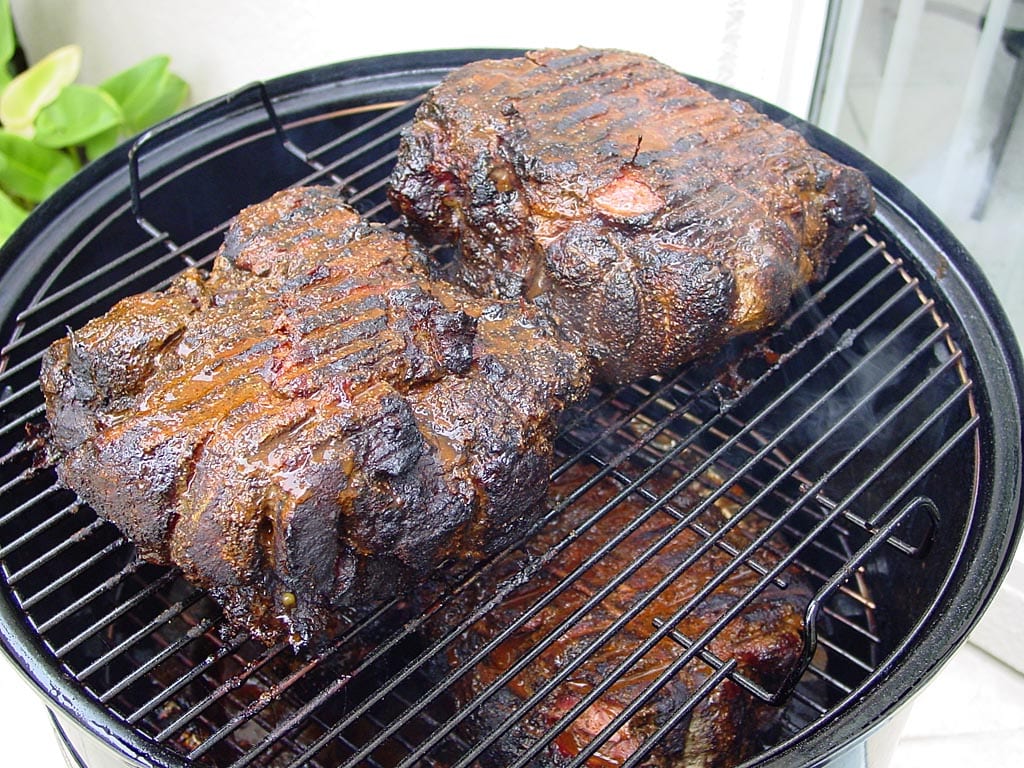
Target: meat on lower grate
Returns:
[[723, 727]]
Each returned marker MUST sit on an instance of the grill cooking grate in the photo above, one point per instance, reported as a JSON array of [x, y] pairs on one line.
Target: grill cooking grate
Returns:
[[831, 429]]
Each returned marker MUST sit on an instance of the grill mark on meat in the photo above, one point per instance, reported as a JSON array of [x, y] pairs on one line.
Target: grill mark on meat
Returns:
[[298, 381], [231, 365], [516, 162], [315, 418], [338, 327], [241, 433]]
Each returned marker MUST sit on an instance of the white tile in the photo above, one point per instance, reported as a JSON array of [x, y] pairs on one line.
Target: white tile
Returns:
[[851, 128], [970, 714], [860, 99], [27, 737], [972, 694], [996, 750], [877, 17], [946, 39]]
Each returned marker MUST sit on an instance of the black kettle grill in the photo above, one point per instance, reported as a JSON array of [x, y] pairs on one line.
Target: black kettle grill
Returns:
[[879, 426]]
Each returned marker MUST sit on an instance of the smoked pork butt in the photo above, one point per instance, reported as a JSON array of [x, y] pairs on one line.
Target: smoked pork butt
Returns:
[[313, 424], [650, 219]]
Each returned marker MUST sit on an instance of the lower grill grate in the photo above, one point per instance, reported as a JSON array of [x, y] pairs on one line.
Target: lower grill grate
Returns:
[[831, 429]]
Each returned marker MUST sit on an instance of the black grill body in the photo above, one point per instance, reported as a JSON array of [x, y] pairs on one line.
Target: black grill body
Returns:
[[878, 429]]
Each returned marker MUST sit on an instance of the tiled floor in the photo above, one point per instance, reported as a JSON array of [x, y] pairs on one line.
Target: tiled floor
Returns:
[[26, 737], [971, 714]]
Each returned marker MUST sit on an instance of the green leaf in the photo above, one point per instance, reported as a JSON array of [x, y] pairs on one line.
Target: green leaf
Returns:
[[11, 216], [29, 171], [168, 98], [147, 92], [8, 42], [36, 87], [102, 143], [79, 113], [132, 87]]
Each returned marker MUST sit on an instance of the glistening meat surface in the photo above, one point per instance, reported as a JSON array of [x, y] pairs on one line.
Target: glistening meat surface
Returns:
[[651, 220], [313, 424], [584, 622]]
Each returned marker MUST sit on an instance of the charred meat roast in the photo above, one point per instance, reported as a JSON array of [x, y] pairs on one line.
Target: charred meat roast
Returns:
[[314, 423], [327, 416], [650, 219]]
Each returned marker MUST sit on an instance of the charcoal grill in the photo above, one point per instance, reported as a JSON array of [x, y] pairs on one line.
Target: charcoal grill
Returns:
[[877, 429]]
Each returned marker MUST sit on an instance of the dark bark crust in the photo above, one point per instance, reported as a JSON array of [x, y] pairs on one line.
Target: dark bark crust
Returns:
[[651, 220], [315, 423]]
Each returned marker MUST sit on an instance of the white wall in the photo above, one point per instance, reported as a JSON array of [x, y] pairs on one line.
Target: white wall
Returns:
[[769, 49]]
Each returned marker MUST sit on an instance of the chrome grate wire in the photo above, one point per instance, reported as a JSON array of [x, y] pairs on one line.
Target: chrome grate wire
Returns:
[[828, 428]]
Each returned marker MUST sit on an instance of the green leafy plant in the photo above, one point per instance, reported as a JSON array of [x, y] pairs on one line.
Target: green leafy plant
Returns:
[[50, 126]]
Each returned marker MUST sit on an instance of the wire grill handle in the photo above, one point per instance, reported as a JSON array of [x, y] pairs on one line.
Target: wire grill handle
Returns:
[[881, 535], [884, 534], [253, 94]]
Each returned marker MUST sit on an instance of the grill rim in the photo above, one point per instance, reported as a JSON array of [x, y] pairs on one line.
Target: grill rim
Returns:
[[990, 346]]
